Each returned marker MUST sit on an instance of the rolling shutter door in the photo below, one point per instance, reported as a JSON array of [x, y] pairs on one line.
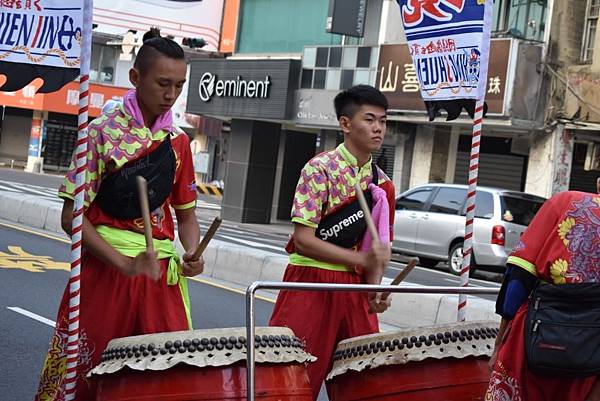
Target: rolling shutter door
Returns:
[[502, 171]]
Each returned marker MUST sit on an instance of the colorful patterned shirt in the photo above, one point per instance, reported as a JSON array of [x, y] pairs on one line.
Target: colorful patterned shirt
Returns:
[[562, 243], [326, 183], [116, 138]]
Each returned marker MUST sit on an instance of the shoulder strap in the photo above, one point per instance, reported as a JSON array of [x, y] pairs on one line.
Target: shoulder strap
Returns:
[[375, 174]]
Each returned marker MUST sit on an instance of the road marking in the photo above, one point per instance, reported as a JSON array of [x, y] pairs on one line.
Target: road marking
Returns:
[[19, 259], [231, 289], [252, 243], [5, 188], [32, 315], [53, 237]]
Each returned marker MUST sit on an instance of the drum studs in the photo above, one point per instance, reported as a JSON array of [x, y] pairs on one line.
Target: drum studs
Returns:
[[219, 346], [285, 338], [181, 349], [409, 345], [422, 338], [453, 339], [243, 340], [191, 348], [214, 340], [223, 340], [471, 332], [137, 354], [163, 351], [196, 342], [200, 347], [130, 354], [187, 343], [154, 352], [372, 345], [229, 346], [145, 353], [210, 347], [461, 338], [379, 345], [143, 347], [418, 344], [177, 344], [455, 333], [477, 331], [432, 337], [239, 345], [437, 341], [172, 350], [469, 337], [413, 339], [446, 340], [233, 340], [168, 344], [463, 333], [447, 334], [428, 342], [135, 348], [204, 341]]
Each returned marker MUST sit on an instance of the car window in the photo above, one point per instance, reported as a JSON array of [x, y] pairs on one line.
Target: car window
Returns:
[[484, 205], [448, 200], [519, 210], [414, 201]]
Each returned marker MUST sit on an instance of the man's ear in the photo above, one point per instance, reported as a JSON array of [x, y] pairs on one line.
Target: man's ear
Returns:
[[134, 77], [345, 124]]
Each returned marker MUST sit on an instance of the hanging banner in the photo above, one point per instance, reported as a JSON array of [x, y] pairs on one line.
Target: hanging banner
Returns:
[[37, 36], [449, 42], [177, 18]]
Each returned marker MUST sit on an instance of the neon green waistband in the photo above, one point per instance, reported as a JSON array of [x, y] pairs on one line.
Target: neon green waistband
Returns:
[[299, 260], [130, 243]]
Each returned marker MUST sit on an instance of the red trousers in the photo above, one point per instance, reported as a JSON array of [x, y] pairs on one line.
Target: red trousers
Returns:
[[112, 305], [323, 319]]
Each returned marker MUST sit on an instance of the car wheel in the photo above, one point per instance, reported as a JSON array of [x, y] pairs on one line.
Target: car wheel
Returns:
[[428, 262], [455, 260]]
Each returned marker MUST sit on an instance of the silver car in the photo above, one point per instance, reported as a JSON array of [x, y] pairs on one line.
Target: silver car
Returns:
[[430, 223]]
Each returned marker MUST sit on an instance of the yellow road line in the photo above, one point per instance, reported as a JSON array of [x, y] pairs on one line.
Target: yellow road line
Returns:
[[223, 287], [26, 230]]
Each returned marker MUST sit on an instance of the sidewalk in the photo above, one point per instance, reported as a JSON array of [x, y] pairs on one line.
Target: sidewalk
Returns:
[[242, 265]]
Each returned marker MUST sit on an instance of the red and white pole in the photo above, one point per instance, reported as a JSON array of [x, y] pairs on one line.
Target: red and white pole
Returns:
[[77, 228], [473, 174]]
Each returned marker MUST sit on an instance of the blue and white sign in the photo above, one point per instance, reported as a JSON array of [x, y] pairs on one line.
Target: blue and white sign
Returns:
[[449, 41], [44, 32]]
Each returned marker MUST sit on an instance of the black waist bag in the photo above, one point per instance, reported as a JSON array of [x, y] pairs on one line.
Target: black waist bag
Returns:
[[118, 195], [562, 331], [346, 226]]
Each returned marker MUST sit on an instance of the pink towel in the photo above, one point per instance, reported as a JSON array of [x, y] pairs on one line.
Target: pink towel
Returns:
[[163, 122], [381, 218]]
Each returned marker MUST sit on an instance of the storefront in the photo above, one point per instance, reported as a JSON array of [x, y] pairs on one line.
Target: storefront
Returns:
[[42, 128], [256, 98]]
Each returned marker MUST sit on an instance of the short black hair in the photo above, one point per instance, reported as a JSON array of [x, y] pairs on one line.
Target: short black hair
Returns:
[[347, 102], [154, 44]]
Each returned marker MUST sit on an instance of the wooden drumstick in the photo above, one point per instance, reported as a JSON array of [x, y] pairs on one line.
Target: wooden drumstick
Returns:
[[365, 208], [207, 237], [402, 275], [143, 195]]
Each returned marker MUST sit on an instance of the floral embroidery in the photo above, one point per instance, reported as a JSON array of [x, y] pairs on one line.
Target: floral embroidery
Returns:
[[564, 228], [584, 241], [54, 372], [558, 271], [502, 387]]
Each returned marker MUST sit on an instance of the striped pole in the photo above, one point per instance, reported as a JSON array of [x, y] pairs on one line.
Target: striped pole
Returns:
[[473, 174], [76, 233]]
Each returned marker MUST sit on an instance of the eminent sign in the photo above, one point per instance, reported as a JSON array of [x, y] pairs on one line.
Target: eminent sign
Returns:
[[211, 86], [255, 89]]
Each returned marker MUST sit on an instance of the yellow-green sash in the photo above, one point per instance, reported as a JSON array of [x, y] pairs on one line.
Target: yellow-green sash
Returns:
[[130, 244]]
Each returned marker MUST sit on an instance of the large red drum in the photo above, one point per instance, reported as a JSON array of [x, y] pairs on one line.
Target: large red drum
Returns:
[[202, 365], [434, 363]]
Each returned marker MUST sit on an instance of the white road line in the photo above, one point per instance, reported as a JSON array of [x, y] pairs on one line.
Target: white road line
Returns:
[[5, 188], [252, 243], [32, 315]]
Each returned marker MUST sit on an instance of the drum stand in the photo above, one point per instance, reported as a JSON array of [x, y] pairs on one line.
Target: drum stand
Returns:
[[274, 285]]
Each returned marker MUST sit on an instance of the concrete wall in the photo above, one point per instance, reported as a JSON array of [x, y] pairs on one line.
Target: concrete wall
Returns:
[[423, 150]]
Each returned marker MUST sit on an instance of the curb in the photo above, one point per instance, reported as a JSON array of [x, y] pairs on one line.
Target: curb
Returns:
[[243, 265]]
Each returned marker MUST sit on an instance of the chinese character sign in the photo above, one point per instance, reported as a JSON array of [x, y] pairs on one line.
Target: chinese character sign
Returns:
[[46, 32], [449, 42]]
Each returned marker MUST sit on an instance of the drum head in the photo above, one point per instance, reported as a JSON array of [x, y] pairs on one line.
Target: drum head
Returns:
[[458, 340], [216, 347]]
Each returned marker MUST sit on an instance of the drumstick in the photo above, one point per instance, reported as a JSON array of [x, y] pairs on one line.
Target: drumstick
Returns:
[[365, 208], [143, 195], [401, 276], [207, 237]]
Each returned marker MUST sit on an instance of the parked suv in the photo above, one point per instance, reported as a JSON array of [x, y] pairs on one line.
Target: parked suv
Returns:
[[430, 223]]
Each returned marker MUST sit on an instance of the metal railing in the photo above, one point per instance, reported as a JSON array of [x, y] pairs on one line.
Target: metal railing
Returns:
[[274, 285]]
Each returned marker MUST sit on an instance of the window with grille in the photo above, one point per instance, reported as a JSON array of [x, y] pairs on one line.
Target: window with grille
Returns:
[[589, 33]]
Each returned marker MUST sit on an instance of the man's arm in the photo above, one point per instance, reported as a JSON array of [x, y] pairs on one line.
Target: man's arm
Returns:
[[189, 235], [144, 263], [374, 261]]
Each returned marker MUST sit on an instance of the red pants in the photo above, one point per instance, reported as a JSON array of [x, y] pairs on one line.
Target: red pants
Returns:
[[323, 319], [112, 306]]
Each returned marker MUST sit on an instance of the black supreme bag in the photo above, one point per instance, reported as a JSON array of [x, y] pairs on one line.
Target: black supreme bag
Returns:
[[346, 226], [118, 195], [562, 331]]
